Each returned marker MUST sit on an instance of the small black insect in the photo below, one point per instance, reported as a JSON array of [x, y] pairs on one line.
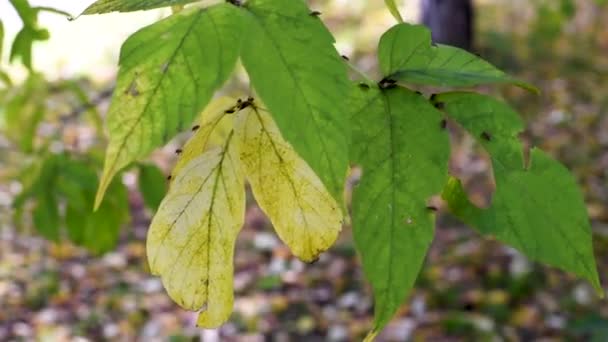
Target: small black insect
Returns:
[[433, 97], [439, 105], [178, 151], [444, 123], [169, 177], [315, 13], [418, 92], [344, 57], [387, 83], [195, 127], [229, 111], [390, 86], [431, 208], [364, 86], [244, 104], [486, 136]]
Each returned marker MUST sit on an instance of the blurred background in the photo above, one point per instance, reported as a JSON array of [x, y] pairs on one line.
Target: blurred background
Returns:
[[66, 274]]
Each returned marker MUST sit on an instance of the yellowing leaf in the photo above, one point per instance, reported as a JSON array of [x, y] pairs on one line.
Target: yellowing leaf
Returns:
[[168, 73], [192, 236], [304, 214], [211, 130]]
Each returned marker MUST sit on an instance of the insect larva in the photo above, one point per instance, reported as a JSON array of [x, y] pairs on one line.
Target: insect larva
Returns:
[[345, 58], [178, 151], [229, 111], [431, 208], [315, 13], [195, 127]]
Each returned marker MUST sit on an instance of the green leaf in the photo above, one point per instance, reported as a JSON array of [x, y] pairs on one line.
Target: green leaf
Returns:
[[392, 7], [46, 216], [24, 110], [294, 67], [168, 73], [537, 207], [152, 185], [1, 39], [27, 14], [403, 151], [106, 6], [406, 54], [103, 227], [97, 231]]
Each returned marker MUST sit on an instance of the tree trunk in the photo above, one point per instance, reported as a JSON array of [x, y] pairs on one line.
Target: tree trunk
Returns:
[[451, 21]]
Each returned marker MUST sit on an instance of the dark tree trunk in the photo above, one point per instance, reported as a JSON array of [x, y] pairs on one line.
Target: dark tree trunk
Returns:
[[451, 21]]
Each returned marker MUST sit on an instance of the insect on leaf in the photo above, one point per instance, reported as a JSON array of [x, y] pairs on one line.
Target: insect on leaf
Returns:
[[191, 238], [213, 128], [537, 208], [168, 72], [304, 214], [403, 153], [405, 53]]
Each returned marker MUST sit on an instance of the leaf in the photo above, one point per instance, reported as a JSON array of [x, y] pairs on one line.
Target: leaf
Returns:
[[152, 185], [403, 151], [302, 211], [191, 239], [537, 207], [392, 7], [293, 66], [25, 108], [107, 6], [25, 38], [27, 14], [97, 231], [168, 73], [406, 54], [2, 40], [212, 129], [46, 216]]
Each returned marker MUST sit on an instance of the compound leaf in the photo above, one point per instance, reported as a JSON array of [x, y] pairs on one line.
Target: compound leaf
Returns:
[[403, 152], [537, 207], [406, 54], [304, 214], [191, 238], [168, 72], [294, 67]]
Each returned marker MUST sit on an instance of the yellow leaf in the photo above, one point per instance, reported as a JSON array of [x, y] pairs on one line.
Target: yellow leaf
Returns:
[[210, 130], [192, 236], [304, 214]]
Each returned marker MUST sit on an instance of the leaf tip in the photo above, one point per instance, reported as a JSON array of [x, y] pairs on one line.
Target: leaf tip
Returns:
[[371, 336], [101, 191]]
